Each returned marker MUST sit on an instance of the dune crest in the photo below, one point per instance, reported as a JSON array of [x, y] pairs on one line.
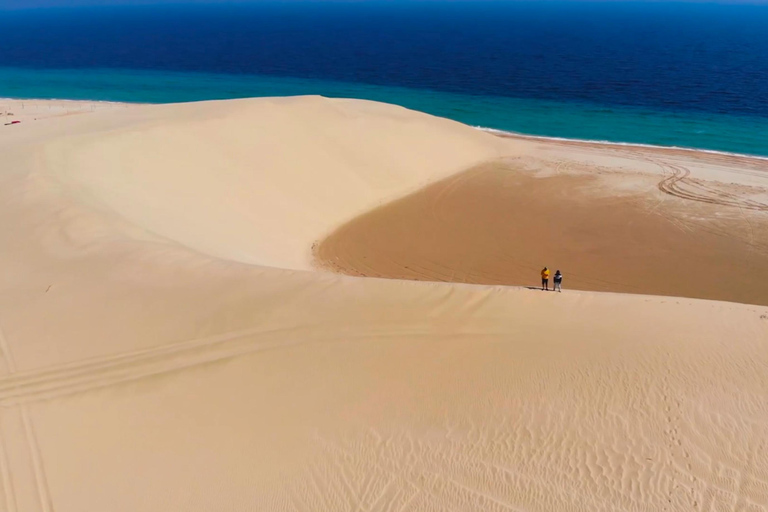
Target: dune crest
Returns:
[[260, 180]]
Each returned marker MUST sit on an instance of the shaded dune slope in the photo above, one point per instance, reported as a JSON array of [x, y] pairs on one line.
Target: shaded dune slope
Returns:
[[498, 224]]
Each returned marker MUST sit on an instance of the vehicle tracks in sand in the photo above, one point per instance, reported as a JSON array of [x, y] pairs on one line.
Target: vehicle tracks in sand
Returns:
[[29, 386], [42, 495], [677, 182], [33, 386], [21, 389], [23, 481]]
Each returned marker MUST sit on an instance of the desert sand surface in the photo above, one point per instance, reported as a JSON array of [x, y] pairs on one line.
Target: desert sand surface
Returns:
[[171, 342]]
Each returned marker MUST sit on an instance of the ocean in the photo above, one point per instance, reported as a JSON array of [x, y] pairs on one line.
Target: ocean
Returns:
[[672, 74]]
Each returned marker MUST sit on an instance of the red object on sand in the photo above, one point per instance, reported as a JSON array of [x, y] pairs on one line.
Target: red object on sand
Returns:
[[15, 122]]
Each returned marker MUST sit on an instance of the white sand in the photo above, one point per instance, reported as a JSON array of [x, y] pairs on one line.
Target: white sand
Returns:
[[167, 346]]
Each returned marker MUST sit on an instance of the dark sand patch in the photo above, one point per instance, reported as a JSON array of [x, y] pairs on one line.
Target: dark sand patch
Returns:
[[496, 225]]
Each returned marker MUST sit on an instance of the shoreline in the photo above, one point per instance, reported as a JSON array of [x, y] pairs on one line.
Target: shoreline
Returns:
[[628, 145]]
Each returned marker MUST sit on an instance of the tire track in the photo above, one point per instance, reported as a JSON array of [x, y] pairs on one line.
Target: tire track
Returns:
[[26, 387], [679, 176], [41, 482], [677, 181], [5, 468], [5, 350], [5, 474], [30, 439], [53, 382]]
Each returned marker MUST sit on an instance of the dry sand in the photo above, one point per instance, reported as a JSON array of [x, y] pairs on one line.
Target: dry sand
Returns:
[[167, 344]]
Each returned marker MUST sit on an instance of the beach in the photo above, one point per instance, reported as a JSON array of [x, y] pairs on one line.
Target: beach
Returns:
[[323, 304]]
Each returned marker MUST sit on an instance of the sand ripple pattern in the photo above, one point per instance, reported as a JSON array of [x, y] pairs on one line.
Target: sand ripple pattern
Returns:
[[709, 462]]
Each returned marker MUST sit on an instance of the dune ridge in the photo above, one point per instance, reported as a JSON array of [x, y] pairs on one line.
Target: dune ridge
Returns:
[[234, 166], [167, 344]]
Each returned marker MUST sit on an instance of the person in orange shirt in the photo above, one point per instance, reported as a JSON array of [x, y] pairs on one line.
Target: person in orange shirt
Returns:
[[545, 279]]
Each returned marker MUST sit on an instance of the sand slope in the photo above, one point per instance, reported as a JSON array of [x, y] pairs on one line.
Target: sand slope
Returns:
[[250, 181], [147, 366], [618, 230]]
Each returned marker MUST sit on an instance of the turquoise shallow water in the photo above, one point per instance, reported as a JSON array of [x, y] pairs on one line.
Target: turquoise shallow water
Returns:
[[586, 121]]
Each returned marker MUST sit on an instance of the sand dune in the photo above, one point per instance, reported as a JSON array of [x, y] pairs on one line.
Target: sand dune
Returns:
[[167, 344], [247, 180]]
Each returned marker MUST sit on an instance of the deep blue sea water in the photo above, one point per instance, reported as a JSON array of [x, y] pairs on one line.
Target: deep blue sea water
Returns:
[[684, 74]]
